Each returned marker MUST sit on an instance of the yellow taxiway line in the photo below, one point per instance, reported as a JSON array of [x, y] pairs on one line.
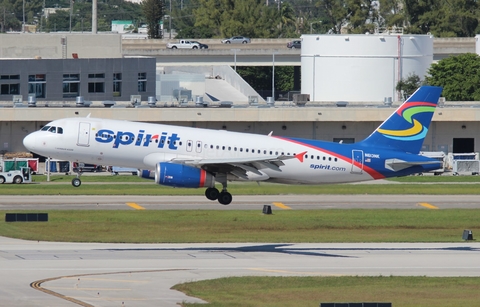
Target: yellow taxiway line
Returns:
[[280, 205], [426, 205], [135, 206]]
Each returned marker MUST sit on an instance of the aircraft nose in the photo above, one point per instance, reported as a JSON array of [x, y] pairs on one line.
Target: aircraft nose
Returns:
[[30, 142]]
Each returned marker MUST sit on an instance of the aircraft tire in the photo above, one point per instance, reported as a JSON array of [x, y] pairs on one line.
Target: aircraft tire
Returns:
[[225, 198], [76, 182], [212, 193]]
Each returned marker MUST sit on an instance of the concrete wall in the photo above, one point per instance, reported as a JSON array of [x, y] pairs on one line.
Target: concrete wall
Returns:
[[60, 45]]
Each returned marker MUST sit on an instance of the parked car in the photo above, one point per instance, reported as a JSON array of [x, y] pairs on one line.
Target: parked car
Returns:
[[200, 45], [236, 40], [295, 44]]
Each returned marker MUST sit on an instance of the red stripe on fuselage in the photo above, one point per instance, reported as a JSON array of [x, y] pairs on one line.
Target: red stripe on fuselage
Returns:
[[372, 172]]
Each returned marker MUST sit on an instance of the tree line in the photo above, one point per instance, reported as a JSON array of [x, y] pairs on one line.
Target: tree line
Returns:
[[253, 18]]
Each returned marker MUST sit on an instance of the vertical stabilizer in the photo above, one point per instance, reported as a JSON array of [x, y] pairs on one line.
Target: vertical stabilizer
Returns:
[[407, 127]]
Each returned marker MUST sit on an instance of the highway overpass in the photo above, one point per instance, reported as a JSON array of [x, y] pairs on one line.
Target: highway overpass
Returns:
[[259, 53]]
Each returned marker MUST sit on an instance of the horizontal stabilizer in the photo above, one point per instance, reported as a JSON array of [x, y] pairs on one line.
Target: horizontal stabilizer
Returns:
[[398, 165]]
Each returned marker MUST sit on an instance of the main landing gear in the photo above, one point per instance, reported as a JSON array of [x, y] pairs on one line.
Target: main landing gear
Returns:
[[223, 197]]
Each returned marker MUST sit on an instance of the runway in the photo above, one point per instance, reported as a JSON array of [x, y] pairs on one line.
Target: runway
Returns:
[[142, 274], [88, 274], [240, 202]]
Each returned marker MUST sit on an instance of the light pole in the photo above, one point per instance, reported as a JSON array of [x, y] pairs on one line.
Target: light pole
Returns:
[[273, 76], [23, 23], [71, 9], [170, 20], [235, 57], [3, 21]]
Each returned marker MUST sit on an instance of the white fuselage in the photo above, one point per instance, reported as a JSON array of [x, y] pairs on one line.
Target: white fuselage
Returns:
[[143, 145]]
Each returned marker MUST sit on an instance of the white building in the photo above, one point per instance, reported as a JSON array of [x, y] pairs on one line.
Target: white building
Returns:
[[361, 67]]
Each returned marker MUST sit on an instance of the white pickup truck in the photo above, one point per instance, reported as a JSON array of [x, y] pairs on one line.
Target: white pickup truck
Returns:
[[183, 44]]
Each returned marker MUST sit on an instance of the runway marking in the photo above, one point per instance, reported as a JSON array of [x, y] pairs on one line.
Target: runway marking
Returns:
[[280, 205], [108, 279], [37, 285], [427, 205], [135, 206], [114, 299], [90, 289], [294, 272]]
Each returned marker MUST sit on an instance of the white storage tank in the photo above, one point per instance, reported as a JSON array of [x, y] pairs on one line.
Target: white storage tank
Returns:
[[477, 44], [361, 67]]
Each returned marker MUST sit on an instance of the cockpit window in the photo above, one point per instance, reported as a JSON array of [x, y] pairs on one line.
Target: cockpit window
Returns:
[[45, 128], [53, 129], [59, 130]]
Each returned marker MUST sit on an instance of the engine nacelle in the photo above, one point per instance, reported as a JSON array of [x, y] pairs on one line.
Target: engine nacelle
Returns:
[[146, 174], [182, 176]]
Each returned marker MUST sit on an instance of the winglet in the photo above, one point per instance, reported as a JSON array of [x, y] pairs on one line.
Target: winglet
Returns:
[[270, 134], [300, 156]]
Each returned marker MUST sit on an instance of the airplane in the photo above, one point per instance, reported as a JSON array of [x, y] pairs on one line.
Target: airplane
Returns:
[[193, 158]]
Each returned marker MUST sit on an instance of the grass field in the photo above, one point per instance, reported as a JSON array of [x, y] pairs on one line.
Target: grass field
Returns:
[[311, 291], [217, 226]]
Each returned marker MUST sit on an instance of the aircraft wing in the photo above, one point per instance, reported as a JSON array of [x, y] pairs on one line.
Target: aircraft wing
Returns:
[[239, 166]]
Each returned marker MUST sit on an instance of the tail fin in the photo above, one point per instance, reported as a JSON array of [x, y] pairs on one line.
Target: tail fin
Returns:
[[407, 127]]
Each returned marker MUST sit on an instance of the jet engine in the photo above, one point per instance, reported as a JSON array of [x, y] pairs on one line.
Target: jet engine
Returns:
[[182, 176]]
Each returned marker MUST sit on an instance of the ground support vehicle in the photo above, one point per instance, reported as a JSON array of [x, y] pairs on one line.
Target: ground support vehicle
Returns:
[[16, 176]]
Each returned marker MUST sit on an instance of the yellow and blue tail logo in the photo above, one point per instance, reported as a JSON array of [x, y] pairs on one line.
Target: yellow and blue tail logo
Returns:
[[406, 129]]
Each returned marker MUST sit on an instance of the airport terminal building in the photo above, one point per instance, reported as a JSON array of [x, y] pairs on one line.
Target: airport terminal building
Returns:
[[63, 80]]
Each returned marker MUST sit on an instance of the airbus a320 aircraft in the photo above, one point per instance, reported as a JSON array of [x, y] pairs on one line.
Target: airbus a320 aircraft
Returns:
[[192, 157]]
